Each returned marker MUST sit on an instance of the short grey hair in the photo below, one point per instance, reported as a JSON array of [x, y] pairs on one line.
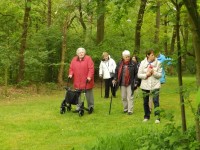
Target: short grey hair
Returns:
[[80, 49], [126, 53]]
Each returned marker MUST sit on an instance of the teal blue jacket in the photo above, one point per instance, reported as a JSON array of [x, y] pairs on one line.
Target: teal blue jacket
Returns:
[[164, 60]]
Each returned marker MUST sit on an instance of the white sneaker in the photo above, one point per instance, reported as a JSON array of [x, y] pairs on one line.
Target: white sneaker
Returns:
[[157, 121], [145, 120]]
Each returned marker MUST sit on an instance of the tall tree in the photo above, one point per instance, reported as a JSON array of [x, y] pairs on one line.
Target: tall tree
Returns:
[[157, 26], [27, 10], [178, 6], [90, 11], [49, 13], [173, 40], [194, 17], [49, 72], [139, 26], [165, 32], [81, 17], [63, 51], [100, 20], [67, 22]]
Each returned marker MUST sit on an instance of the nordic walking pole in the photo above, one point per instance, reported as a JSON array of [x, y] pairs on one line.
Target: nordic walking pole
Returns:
[[111, 101], [110, 104], [101, 87]]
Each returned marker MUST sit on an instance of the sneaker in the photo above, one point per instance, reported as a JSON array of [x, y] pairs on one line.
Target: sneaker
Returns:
[[145, 120], [157, 121]]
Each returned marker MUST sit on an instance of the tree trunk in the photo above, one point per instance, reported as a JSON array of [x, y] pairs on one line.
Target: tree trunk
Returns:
[[184, 33], [157, 26], [49, 13], [165, 31], [49, 71], [68, 21], [173, 40], [27, 10], [178, 8], [139, 26], [90, 24], [62, 63], [6, 80], [196, 43], [81, 18], [100, 20], [191, 6]]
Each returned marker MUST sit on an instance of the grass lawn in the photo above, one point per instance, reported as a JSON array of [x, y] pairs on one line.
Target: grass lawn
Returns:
[[34, 122]]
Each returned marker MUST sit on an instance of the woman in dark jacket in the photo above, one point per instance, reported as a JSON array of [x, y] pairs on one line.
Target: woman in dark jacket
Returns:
[[125, 77]]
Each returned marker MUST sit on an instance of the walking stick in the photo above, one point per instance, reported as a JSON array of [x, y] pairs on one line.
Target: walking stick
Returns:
[[111, 101], [110, 104], [101, 86]]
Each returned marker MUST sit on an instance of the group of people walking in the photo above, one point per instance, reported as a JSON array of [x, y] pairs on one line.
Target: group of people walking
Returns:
[[128, 74]]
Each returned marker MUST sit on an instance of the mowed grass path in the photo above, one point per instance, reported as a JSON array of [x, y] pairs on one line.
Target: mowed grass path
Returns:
[[34, 122]]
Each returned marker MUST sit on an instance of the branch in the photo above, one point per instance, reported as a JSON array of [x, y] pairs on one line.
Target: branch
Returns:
[[71, 20], [190, 54]]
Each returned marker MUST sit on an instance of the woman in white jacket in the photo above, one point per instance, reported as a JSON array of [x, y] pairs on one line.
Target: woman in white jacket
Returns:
[[107, 71], [150, 72]]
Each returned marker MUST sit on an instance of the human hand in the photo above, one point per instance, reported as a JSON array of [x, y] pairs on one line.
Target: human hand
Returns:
[[89, 79], [100, 75], [114, 81], [70, 76], [148, 74], [152, 71]]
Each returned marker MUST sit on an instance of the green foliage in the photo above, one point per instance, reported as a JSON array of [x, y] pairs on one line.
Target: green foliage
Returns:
[[43, 49], [145, 138], [23, 83], [198, 96], [190, 65]]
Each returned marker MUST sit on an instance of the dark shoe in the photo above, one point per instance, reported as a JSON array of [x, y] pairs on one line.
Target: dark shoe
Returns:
[[62, 110], [125, 111], [91, 110], [130, 113], [106, 97]]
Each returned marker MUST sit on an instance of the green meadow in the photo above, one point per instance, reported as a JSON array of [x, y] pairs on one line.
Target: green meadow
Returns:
[[30, 121]]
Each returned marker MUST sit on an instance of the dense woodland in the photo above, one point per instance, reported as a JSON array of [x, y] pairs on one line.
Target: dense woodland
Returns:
[[38, 38]]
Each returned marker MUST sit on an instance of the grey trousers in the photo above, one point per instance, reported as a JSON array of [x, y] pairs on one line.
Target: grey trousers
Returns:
[[87, 96], [127, 99]]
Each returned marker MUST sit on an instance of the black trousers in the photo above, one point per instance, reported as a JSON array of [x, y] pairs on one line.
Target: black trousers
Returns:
[[146, 94], [108, 87]]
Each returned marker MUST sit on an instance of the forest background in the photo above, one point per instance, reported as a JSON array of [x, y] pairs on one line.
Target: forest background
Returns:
[[39, 38]]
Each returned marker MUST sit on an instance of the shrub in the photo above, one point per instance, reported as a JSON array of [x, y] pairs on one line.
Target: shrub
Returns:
[[169, 138]]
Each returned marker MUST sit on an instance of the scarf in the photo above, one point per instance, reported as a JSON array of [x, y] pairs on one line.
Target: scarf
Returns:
[[126, 75]]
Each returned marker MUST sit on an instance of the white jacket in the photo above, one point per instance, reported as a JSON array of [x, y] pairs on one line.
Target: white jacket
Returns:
[[107, 67], [152, 82]]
